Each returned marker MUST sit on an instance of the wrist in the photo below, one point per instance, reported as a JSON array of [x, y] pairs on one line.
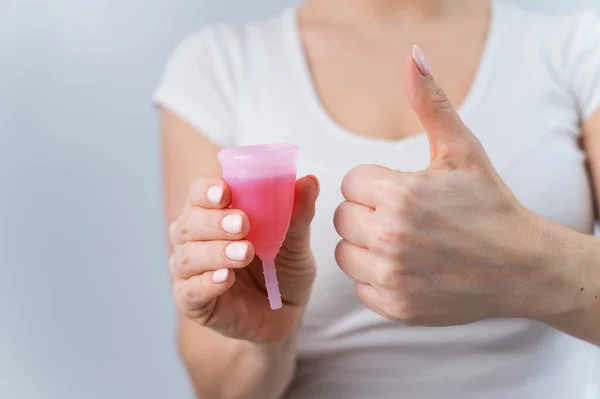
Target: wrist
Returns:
[[583, 260], [273, 367], [569, 270], [581, 256]]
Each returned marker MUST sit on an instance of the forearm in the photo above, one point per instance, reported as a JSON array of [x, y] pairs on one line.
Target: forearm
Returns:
[[225, 368], [580, 256]]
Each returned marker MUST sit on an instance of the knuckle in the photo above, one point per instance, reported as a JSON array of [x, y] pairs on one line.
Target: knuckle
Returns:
[[398, 195], [413, 184], [447, 156], [189, 294], [191, 300], [387, 187], [181, 295], [184, 256], [405, 310], [359, 175], [439, 97], [183, 229], [391, 278], [386, 239]]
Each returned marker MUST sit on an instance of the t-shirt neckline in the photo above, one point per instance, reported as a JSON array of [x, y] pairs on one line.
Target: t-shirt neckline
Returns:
[[316, 107]]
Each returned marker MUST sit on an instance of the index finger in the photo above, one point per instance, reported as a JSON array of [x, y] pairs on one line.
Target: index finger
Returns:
[[361, 184], [209, 193]]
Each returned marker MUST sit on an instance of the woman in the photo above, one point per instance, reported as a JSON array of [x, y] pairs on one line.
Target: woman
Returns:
[[432, 234]]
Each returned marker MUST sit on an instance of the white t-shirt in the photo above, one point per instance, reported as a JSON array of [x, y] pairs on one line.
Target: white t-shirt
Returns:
[[539, 78]]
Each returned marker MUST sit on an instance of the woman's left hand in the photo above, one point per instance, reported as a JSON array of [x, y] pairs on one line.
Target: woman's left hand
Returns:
[[449, 245]]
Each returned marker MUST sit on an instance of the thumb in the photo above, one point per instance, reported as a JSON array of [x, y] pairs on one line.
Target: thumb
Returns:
[[449, 138], [305, 197]]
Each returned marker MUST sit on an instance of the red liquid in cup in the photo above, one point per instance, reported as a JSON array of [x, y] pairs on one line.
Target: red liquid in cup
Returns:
[[262, 179], [268, 202]]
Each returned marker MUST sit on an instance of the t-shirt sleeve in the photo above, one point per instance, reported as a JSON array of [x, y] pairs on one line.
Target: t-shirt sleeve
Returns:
[[198, 85], [583, 64]]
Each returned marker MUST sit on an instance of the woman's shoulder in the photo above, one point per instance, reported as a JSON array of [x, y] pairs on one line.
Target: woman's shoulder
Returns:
[[565, 47], [548, 24], [231, 43], [556, 39], [204, 74]]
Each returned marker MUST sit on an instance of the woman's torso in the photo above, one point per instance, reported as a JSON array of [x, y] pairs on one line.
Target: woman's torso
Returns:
[[521, 106]]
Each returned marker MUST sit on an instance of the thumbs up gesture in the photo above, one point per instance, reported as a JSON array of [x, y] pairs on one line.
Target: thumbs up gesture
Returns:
[[449, 245]]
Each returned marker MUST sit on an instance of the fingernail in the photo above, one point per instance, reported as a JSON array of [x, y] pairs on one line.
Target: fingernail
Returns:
[[421, 60], [237, 251], [220, 276], [214, 194], [232, 224]]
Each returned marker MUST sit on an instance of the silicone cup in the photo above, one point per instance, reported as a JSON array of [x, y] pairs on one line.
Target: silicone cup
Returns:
[[262, 179]]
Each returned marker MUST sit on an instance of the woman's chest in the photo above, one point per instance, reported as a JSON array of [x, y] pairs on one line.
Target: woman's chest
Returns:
[[533, 146], [358, 81], [531, 139]]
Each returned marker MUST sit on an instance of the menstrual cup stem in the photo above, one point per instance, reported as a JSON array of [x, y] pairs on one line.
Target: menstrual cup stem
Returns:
[[272, 284]]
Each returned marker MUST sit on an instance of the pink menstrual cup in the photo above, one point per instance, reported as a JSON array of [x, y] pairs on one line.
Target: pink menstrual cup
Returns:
[[262, 180]]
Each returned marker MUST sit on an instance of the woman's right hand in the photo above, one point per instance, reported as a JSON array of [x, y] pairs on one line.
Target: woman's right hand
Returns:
[[218, 280]]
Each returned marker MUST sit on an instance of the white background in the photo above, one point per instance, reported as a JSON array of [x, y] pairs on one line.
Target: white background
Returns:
[[85, 305]]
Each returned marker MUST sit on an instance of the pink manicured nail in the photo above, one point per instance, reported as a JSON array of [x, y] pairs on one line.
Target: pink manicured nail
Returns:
[[220, 276], [421, 60], [237, 251], [232, 223], [215, 194]]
